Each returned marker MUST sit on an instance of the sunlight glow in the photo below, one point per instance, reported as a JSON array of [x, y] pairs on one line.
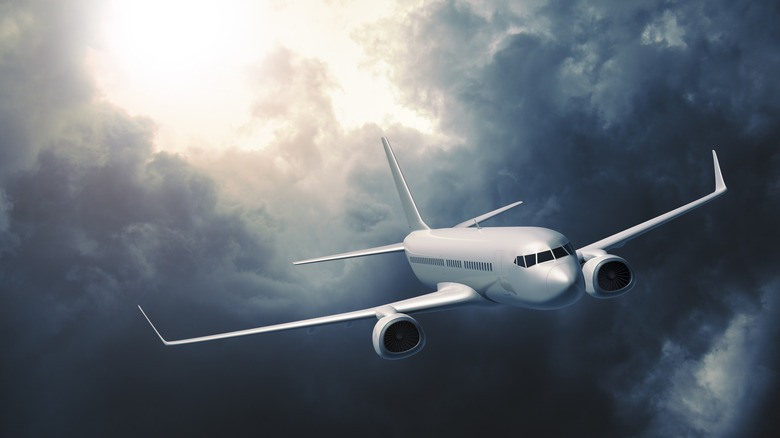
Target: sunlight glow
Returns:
[[175, 42], [185, 64]]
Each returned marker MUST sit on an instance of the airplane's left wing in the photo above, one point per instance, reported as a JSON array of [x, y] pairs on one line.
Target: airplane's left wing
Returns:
[[619, 239], [448, 295]]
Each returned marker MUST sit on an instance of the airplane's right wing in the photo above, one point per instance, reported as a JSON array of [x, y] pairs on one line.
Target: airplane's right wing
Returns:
[[395, 247], [617, 240], [448, 295]]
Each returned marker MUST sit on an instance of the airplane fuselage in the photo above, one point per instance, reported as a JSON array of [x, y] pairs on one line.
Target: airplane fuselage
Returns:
[[528, 267]]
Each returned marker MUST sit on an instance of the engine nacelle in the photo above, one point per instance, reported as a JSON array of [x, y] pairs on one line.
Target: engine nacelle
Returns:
[[608, 276], [397, 336]]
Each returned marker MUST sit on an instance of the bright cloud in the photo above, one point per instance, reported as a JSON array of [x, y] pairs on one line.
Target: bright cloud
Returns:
[[188, 65]]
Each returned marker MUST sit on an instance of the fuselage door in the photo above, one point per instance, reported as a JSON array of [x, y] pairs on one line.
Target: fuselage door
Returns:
[[498, 263]]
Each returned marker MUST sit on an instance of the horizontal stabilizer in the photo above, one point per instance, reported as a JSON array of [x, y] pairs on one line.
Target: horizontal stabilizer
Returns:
[[396, 247], [474, 221], [448, 295]]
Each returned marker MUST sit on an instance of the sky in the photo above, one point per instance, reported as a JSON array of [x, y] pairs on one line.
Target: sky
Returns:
[[180, 155]]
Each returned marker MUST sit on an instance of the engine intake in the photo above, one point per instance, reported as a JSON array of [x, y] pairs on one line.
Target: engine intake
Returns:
[[398, 336], [608, 276]]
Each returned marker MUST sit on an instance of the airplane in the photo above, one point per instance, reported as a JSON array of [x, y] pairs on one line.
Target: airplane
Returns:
[[471, 265]]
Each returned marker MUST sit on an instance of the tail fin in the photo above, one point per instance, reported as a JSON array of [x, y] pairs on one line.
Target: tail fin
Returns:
[[412, 215]]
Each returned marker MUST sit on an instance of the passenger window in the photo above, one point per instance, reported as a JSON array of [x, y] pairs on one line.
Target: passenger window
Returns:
[[530, 260], [544, 256], [559, 252]]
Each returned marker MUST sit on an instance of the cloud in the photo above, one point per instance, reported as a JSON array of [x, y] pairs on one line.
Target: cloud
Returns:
[[607, 128], [664, 31], [292, 95], [706, 395], [41, 62]]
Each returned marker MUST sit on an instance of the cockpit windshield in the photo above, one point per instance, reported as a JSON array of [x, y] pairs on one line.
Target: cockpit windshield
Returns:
[[528, 260]]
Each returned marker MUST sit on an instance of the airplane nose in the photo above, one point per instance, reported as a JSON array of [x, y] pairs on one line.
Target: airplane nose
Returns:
[[563, 282], [559, 278]]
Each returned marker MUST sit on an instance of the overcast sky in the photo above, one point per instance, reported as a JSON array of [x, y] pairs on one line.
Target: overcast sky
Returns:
[[181, 157]]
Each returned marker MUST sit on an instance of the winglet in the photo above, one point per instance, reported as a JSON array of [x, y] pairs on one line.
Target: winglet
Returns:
[[412, 215], [720, 185], [153, 327]]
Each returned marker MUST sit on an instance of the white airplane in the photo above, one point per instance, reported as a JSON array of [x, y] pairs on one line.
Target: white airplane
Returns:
[[468, 265]]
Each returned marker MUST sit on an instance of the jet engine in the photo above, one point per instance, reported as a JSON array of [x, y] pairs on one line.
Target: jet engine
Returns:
[[397, 336], [608, 276]]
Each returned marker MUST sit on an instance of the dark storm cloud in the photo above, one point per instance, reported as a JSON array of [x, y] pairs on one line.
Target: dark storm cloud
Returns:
[[92, 221], [41, 82], [597, 115], [606, 121]]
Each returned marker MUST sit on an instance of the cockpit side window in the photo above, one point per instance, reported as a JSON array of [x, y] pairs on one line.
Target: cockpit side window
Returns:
[[520, 261], [559, 252], [544, 256], [569, 249], [530, 260]]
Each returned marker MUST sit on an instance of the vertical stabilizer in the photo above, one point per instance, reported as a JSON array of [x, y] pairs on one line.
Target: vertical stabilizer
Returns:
[[412, 215]]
